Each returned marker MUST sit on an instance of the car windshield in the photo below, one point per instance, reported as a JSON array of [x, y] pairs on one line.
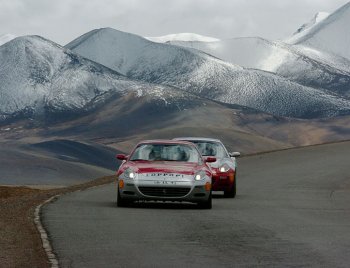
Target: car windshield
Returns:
[[165, 152], [209, 148]]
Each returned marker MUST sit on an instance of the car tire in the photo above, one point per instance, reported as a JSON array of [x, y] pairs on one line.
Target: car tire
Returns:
[[206, 204], [120, 201], [232, 192]]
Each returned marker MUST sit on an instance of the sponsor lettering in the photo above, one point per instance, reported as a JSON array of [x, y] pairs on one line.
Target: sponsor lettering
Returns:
[[168, 175]]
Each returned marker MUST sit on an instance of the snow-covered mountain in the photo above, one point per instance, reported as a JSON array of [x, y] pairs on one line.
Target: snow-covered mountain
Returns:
[[39, 78], [260, 53], [182, 37], [36, 74], [247, 52], [331, 34], [310, 62], [306, 78], [304, 65], [6, 37], [204, 75], [306, 27]]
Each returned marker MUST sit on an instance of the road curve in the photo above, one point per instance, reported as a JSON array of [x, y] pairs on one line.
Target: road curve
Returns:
[[292, 210]]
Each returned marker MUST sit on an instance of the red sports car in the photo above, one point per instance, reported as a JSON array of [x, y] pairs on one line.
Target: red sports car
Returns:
[[165, 170], [224, 169]]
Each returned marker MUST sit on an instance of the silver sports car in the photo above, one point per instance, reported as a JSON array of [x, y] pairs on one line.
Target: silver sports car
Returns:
[[224, 169]]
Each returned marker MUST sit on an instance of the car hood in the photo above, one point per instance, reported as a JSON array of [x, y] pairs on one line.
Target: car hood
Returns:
[[165, 167]]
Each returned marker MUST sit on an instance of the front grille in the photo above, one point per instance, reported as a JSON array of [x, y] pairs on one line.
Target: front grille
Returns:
[[164, 191]]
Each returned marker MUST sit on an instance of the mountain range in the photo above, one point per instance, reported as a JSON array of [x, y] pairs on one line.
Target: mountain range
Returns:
[[316, 55], [108, 84], [42, 80], [303, 65], [293, 79], [205, 76]]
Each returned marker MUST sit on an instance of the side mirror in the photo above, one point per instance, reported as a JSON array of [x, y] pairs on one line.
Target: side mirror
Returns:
[[210, 159], [235, 154], [121, 156]]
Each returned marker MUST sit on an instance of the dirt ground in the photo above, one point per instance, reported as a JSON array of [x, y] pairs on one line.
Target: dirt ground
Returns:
[[20, 242]]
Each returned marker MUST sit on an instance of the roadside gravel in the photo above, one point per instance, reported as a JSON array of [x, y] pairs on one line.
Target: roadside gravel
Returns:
[[20, 241]]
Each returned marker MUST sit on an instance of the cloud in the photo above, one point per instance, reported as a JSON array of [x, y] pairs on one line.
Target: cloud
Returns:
[[64, 20]]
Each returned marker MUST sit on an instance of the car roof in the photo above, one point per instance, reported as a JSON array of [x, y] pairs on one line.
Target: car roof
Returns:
[[196, 139]]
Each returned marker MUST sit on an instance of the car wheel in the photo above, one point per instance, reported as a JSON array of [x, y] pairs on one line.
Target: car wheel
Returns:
[[232, 192], [206, 204], [120, 201]]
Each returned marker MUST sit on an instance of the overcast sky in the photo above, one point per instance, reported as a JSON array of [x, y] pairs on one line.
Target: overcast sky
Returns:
[[62, 21]]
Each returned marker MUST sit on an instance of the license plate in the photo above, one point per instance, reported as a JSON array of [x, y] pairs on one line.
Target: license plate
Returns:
[[165, 182]]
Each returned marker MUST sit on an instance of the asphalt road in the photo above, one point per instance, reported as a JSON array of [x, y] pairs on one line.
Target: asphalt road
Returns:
[[292, 210]]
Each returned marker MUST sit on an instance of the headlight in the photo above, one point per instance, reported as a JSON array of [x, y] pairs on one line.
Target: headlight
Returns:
[[129, 173], [199, 176], [224, 168]]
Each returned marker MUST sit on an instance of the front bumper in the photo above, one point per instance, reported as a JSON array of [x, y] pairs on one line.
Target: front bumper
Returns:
[[189, 191]]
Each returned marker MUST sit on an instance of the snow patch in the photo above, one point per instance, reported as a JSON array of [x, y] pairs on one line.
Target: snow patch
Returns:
[[276, 58], [182, 37], [139, 93]]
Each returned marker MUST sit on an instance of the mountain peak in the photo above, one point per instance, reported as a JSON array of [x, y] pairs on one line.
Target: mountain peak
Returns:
[[330, 34], [307, 27], [319, 16], [39, 77], [108, 34]]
